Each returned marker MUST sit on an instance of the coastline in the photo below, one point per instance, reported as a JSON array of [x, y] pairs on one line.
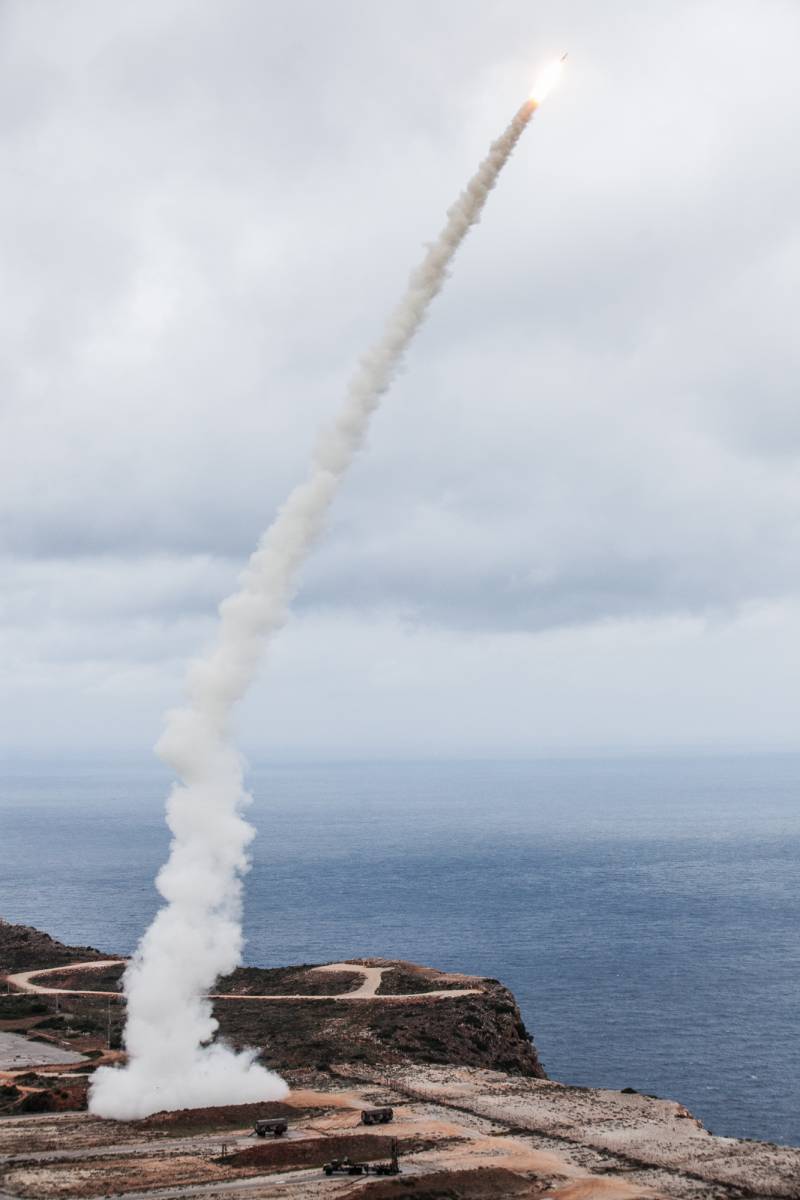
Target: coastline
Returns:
[[499, 1125]]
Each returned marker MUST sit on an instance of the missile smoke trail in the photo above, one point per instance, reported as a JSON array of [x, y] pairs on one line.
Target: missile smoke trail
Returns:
[[197, 935]]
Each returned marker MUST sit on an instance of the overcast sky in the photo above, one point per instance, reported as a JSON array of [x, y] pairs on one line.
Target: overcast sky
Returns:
[[575, 525]]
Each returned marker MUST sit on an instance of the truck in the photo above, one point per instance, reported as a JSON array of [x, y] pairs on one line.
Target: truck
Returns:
[[374, 1116], [346, 1166], [277, 1126]]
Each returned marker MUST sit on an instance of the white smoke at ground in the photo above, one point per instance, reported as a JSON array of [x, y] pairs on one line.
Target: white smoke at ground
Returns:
[[197, 936]]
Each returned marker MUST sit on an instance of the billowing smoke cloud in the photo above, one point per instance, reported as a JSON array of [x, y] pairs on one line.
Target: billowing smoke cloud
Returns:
[[197, 936]]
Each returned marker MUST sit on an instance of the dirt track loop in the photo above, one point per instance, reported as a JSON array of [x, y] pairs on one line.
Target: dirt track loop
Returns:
[[368, 990]]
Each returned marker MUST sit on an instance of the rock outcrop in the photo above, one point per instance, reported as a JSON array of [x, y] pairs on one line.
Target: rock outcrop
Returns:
[[23, 948], [411, 1017]]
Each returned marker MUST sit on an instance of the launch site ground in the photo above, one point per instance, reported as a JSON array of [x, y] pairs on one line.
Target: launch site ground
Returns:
[[474, 1116]]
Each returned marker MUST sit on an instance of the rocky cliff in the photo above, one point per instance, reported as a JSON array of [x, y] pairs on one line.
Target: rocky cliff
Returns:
[[301, 1016], [23, 948]]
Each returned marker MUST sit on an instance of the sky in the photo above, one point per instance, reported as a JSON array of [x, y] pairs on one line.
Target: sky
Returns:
[[574, 527]]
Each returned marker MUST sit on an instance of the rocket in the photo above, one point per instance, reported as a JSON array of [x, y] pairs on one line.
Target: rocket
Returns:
[[547, 80]]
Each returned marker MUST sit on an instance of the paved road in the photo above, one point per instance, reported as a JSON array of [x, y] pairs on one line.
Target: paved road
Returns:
[[17, 1051], [24, 980]]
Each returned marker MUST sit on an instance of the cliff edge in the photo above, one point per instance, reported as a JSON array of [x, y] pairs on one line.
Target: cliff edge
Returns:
[[369, 1011], [473, 1116]]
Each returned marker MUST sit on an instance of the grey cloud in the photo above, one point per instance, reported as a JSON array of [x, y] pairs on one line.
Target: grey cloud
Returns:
[[208, 209]]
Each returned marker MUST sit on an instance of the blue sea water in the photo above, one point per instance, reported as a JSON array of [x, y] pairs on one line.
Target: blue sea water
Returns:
[[645, 911]]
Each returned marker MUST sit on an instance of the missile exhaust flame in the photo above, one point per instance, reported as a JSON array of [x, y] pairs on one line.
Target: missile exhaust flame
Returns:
[[196, 936], [547, 80]]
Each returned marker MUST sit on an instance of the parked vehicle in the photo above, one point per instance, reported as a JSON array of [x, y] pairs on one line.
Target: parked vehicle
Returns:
[[374, 1116], [277, 1127]]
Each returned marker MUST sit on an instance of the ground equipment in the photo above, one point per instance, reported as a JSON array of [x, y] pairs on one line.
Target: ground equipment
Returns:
[[277, 1127], [374, 1116], [388, 1168], [345, 1166]]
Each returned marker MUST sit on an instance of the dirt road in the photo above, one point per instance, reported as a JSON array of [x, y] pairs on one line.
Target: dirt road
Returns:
[[368, 990]]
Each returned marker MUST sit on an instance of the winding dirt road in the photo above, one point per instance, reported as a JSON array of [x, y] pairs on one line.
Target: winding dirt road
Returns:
[[368, 990]]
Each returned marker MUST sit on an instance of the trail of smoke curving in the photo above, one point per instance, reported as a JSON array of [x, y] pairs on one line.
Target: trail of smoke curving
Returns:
[[197, 935]]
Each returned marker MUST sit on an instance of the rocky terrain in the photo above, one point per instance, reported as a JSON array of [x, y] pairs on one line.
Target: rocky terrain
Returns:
[[24, 948], [474, 1115], [478, 1025], [483, 1029]]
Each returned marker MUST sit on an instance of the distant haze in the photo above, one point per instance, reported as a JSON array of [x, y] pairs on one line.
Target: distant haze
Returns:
[[576, 522]]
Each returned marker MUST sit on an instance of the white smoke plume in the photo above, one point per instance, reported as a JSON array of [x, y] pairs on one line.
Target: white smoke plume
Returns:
[[197, 936]]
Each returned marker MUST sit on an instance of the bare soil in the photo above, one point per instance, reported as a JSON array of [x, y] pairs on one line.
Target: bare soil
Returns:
[[119, 1174], [279, 1155], [483, 1183], [464, 1134], [189, 1121]]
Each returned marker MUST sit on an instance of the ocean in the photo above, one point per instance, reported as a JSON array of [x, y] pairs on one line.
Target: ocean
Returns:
[[645, 911]]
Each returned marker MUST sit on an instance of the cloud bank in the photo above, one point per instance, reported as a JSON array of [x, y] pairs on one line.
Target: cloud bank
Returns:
[[210, 210]]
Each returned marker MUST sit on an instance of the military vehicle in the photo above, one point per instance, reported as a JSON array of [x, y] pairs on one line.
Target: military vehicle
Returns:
[[277, 1127], [374, 1116], [345, 1166]]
